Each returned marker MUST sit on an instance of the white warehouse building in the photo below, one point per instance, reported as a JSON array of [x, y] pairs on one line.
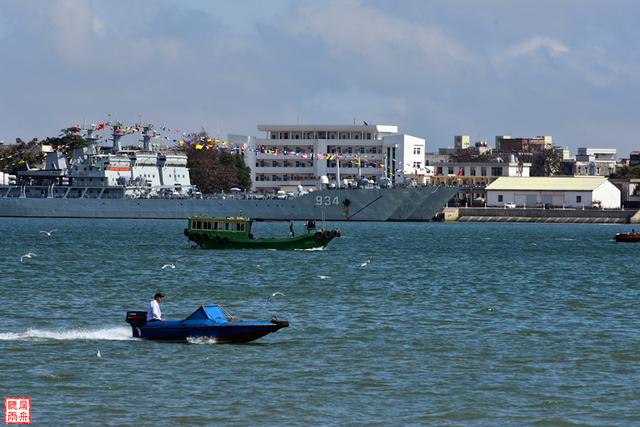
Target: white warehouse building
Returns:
[[290, 156], [558, 192]]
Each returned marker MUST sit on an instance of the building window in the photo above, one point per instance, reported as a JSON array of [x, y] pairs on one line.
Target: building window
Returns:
[[578, 199], [417, 165], [450, 170], [496, 171], [472, 171], [483, 171], [500, 198], [416, 149]]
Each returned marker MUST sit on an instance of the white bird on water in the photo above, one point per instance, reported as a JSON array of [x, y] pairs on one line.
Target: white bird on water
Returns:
[[99, 355], [364, 264], [274, 294], [171, 266], [48, 233], [324, 277], [27, 255]]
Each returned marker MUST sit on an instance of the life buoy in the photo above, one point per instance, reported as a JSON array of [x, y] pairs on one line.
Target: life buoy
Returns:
[[327, 234]]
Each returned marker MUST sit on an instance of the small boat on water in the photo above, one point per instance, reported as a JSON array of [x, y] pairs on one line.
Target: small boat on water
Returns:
[[207, 322], [628, 237], [235, 233]]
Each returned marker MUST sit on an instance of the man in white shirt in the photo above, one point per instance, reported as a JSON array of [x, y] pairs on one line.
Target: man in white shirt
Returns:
[[153, 311]]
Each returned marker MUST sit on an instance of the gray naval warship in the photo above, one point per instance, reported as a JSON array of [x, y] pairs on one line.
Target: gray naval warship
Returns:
[[154, 183]]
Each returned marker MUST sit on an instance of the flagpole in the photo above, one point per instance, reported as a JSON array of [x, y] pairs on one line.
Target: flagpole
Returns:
[[337, 171]]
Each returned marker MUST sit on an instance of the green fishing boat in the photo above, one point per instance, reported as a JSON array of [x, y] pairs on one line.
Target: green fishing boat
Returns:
[[235, 233]]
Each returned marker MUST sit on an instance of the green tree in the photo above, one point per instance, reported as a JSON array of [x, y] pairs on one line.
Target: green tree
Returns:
[[67, 142], [19, 156], [213, 170], [627, 172], [466, 155], [547, 162]]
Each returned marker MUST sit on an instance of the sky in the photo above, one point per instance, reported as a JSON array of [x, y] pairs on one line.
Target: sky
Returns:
[[565, 68]]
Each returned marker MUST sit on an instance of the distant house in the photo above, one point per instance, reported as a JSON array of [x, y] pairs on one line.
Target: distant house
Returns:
[[595, 161], [569, 192]]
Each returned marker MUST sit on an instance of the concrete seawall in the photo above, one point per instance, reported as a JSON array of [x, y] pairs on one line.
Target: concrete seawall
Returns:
[[542, 215]]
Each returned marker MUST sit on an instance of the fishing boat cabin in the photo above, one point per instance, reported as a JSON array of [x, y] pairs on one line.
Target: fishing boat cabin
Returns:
[[229, 228]]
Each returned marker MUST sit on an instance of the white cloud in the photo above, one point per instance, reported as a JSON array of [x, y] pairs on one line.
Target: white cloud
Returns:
[[538, 44], [72, 27], [357, 32]]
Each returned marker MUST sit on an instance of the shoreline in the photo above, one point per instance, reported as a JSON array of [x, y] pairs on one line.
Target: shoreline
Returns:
[[613, 216]]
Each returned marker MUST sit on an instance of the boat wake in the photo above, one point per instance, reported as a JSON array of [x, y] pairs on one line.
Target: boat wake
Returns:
[[202, 340], [106, 334], [310, 249]]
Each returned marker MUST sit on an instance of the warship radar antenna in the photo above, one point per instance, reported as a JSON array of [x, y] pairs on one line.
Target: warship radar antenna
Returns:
[[147, 134], [92, 140], [116, 135]]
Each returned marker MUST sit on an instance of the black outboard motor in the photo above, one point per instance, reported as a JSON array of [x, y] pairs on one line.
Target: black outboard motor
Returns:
[[136, 319]]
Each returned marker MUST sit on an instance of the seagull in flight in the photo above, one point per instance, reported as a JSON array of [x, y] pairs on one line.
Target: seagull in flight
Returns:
[[48, 233], [171, 266], [274, 294], [27, 255], [364, 264]]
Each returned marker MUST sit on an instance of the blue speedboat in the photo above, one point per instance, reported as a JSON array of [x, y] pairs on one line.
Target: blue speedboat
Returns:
[[208, 322]]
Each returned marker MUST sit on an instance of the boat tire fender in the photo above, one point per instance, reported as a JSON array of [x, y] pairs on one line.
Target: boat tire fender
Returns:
[[334, 233], [327, 234], [318, 234], [338, 233]]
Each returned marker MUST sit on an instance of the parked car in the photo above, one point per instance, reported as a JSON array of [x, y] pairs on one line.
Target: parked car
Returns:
[[510, 205]]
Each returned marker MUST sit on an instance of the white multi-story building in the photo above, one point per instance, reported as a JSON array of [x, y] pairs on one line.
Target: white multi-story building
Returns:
[[595, 161], [289, 156]]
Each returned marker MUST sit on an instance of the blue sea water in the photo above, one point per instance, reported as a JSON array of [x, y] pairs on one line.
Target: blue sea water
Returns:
[[393, 324]]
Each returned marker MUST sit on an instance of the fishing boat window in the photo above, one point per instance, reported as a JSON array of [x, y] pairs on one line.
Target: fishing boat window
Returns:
[[240, 226], [226, 225], [215, 225]]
